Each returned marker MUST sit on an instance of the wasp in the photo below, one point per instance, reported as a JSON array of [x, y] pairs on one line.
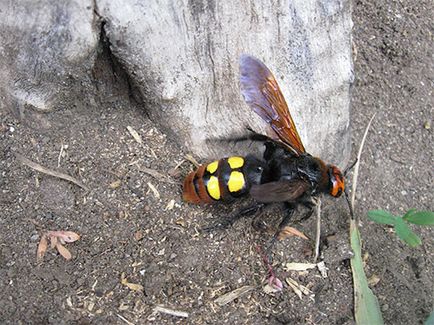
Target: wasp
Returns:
[[286, 173]]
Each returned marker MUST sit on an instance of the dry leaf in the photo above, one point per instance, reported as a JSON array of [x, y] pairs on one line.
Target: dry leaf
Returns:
[[170, 311], [115, 184], [134, 134], [154, 190], [373, 280], [298, 288], [230, 296], [291, 231], [170, 205], [57, 238], [132, 286], [181, 222], [299, 266], [191, 159], [138, 235], [63, 251], [53, 241], [322, 269], [90, 306], [294, 285], [66, 236], [174, 172], [42, 248], [268, 289]]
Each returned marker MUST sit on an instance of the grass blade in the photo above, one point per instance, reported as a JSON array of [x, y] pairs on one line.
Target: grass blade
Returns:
[[367, 308]]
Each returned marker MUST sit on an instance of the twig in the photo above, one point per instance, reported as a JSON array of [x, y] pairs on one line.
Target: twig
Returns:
[[124, 319], [318, 229], [169, 311], [230, 296], [191, 159], [50, 172], [60, 155], [356, 168], [134, 134], [159, 176]]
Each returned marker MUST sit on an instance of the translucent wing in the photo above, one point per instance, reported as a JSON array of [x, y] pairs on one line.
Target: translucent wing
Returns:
[[281, 191], [262, 93]]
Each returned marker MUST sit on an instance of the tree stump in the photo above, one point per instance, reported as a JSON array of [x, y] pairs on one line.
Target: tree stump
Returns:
[[180, 61]]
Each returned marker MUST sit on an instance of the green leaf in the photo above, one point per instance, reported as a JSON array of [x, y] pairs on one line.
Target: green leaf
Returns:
[[430, 319], [366, 306], [381, 216], [406, 234], [409, 212], [423, 218]]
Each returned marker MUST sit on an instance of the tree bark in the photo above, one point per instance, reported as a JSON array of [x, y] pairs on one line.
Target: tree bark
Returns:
[[181, 59]]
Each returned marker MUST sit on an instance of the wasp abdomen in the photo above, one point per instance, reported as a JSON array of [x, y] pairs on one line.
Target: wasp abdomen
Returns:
[[221, 180]]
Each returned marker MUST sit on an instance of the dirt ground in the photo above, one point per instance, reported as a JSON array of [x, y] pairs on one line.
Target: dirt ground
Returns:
[[153, 238]]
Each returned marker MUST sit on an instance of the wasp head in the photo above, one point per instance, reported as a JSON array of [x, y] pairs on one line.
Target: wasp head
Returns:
[[336, 183]]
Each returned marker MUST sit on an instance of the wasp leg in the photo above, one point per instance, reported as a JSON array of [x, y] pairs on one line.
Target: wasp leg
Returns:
[[306, 216], [309, 205], [289, 212], [227, 222], [252, 136], [257, 137]]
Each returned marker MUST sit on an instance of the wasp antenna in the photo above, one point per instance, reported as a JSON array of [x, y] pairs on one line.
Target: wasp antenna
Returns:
[[346, 171], [349, 203]]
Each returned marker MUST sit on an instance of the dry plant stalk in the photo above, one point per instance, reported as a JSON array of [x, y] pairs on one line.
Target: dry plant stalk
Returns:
[[356, 167], [50, 172], [157, 175], [318, 229], [170, 311], [230, 296]]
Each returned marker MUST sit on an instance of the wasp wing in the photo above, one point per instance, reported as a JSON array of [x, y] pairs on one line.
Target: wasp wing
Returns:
[[281, 191], [262, 93]]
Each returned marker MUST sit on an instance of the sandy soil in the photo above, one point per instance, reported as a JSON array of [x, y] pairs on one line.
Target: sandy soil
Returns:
[[152, 238]]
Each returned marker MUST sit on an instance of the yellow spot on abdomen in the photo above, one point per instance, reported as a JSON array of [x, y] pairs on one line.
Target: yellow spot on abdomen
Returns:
[[236, 182], [213, 187], [212, 167], [236, 162]]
